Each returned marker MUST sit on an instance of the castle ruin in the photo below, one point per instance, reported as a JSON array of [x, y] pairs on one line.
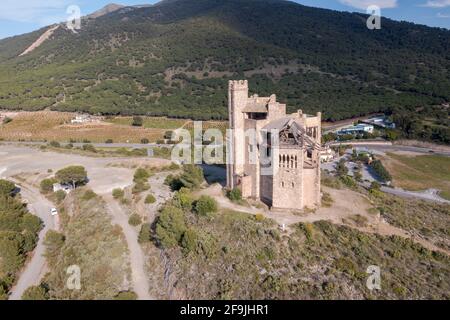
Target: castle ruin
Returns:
[[286, 173]]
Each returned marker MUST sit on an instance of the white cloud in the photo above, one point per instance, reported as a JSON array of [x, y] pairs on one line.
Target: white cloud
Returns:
[[34, 11], [364, 4], [437, 3]]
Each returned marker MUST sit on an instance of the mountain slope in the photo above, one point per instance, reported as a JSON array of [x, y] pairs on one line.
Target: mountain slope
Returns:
[[175, 58]]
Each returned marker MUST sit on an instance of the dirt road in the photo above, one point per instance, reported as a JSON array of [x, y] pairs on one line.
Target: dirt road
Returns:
[[35, 269], [137, 257]]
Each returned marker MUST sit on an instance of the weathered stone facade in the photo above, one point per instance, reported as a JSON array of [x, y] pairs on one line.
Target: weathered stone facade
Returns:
[[280, 165]]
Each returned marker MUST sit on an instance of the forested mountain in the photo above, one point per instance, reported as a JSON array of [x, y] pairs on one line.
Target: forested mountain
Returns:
[[175, 58]]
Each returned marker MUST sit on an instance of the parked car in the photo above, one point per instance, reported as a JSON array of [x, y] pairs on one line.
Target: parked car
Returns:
[[54, 212]]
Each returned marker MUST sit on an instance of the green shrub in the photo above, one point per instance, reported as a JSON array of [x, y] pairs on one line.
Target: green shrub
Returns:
[[259, 217], [135, 220], [7, 120], [46, 185], [54, 144], [89, 147], [327, 200], [184, 199], [118, 193], [140, 187], [145, 141], [150, 199], [141, 175], [145, 233], [170, 226], [35, 293], [88, 195], [381, 171], [109, 141], [60, 196], [6, 187], [137, 121], [189, 241], [235, 194], [205, 205]]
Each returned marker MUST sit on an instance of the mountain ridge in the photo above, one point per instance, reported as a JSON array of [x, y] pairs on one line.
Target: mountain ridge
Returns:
[[174, 58]]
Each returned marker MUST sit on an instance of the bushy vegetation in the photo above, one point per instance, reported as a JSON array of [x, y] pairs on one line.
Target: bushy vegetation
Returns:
[[235, 194], [424, 219], [191, 178], [74, 175], [90, 241], [149, 199], [381, 171], [46, 185], [205, 205], [18, 235], [239, 257], [35, 293], [135, 220]]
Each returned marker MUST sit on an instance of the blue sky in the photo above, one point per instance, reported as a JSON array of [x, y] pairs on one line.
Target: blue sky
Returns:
[[21, 16]]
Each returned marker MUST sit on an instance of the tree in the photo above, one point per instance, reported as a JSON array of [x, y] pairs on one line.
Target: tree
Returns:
[[74, 175], [235, 194], [381, 171], [6, 187], [118, 193], [145, 233], [137, 121], [135, 220], [184, 199], [170, 226], [150, 199], [192, 176], [47, 185], [341, 168], [205, 205]]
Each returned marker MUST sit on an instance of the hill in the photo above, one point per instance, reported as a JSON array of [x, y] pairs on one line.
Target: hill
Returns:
[[175, 59]]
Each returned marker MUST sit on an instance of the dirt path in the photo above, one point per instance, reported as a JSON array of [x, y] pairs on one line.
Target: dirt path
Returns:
[[137, 257], [35, 269], [47, 34]]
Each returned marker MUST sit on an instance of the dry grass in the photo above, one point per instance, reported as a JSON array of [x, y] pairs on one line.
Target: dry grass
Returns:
[[50, 125], [419, 172]]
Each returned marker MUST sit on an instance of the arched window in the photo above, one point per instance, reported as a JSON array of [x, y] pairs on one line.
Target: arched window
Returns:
[[282, 184], [293, 185]]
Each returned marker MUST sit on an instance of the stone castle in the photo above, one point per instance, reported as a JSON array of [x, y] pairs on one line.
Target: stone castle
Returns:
[[286, 173]]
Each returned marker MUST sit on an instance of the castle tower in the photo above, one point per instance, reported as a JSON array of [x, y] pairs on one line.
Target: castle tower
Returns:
[[237, 100]]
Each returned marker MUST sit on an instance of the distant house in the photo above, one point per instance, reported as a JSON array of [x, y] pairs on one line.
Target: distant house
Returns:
[[85, 118], [327, 154], [380, 121], [359, 128], [64, 187]]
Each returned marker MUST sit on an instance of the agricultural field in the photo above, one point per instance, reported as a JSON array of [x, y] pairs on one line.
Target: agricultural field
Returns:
[[419, 172], [56, 126], [149, 122], [50, 125]]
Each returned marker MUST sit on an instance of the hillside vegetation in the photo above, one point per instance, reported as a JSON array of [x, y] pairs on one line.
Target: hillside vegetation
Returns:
[[92, 243], [18, 235], [175, 58], [233, 255]]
